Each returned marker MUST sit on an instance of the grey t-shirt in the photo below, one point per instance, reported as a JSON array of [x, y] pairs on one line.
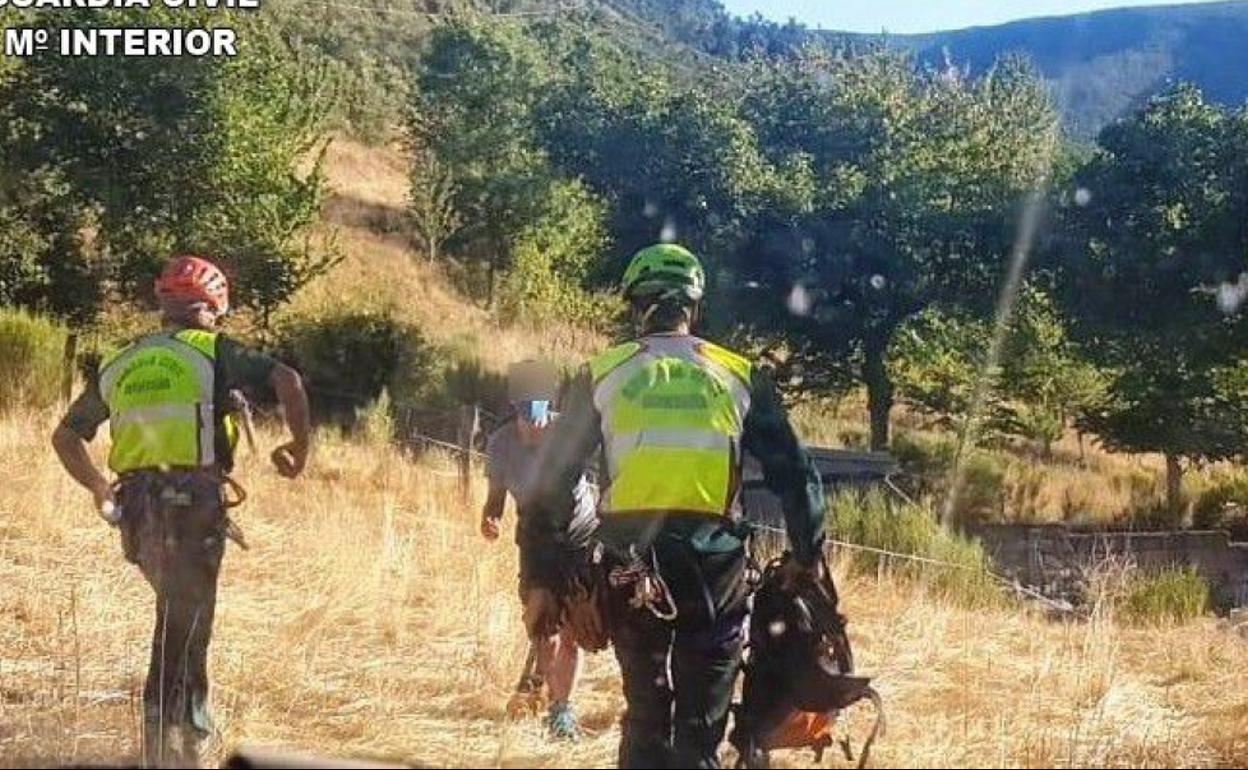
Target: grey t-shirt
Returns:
[[516, 466]]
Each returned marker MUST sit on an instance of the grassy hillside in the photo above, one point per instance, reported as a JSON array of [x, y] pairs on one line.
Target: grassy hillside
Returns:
[[384, 270], [405, 644]]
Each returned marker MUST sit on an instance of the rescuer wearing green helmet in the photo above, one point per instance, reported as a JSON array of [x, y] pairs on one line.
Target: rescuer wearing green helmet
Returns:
[[669, 417]]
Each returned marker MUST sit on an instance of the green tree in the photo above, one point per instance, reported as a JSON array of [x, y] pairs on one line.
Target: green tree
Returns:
[[477, 90], [487, 107], [21, 250], [919, 181], [936, 361], [433, 213], [1162, 236], [553, 255], [674, 159], [1049, 382], [195, 154]]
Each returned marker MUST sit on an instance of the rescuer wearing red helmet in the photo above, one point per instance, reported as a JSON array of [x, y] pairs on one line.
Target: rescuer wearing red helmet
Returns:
[[167, 398]]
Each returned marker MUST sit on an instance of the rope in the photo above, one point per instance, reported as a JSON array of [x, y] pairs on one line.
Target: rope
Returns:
[[1012, 585], [896, 555], [447, 445]]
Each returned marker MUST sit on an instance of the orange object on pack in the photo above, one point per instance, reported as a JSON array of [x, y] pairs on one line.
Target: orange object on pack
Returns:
[[802, 730]]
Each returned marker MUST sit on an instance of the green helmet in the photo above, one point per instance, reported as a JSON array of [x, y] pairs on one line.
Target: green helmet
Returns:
[[664, 270]]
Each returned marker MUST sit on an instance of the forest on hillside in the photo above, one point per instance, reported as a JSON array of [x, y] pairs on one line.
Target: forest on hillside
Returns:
[[931, 238], [1099, 66]]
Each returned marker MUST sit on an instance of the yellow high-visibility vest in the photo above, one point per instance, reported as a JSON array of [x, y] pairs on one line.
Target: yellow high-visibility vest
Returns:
[[160, 393], [673, 408]]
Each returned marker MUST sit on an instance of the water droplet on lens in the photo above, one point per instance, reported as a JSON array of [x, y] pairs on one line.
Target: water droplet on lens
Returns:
[[799, 301], [668, 233]]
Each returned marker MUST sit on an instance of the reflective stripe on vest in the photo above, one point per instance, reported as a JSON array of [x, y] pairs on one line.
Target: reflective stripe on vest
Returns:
[[159, 393], [672, 410]]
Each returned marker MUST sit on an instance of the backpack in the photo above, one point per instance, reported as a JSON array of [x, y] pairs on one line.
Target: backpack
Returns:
[[799, 671]]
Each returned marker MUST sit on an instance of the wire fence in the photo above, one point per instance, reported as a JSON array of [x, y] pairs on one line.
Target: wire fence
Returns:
[[415, 424], [1010, 584]]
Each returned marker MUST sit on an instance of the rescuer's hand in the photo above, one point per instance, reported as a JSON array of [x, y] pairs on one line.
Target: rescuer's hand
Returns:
[[489, 528], [290, 459]]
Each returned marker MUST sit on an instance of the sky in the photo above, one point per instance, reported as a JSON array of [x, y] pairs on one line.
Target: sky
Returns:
[[903, 16]]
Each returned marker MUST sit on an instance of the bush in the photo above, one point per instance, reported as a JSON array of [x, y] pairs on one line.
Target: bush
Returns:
[[21, 249], [31, 350], [1222, 505], [1174, 595], [924, 455], [465, 380], [929, 459], [348, 360], [551, 258], [983, 483], [870, 520]]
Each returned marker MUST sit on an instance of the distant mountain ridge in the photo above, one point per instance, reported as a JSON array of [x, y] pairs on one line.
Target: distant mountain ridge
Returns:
[[1102, 63]]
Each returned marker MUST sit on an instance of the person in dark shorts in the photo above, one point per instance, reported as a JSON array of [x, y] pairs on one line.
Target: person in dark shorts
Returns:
[[166, 397], [548, 549]]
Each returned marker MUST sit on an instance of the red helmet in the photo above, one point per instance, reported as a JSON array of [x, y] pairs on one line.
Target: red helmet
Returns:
[[192, 279]]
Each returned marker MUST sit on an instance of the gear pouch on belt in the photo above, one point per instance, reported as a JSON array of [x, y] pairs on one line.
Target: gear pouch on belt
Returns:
[[173, 508]]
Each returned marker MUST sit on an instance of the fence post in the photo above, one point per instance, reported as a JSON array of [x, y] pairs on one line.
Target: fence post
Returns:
[[469, 423], [67, 366]]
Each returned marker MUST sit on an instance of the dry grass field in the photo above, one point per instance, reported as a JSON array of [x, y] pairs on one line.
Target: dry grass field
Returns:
[[368, 619]]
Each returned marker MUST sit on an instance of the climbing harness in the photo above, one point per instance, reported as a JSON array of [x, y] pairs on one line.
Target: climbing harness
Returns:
[[650, 590]]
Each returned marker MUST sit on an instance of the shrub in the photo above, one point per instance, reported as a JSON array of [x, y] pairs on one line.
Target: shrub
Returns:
[[924, 455], [348, 360], [430, 388], [21, 248], [551, 258], [466, 380], [1154, 515], [1223, 503], [1174, 595], [930, 460], [983, 482], [870, 520], [31, 350]]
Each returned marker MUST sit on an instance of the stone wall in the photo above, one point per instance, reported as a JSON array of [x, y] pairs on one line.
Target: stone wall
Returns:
[[1054, 558]]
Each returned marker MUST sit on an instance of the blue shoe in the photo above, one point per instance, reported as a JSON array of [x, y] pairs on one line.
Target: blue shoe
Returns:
[[561, 720]]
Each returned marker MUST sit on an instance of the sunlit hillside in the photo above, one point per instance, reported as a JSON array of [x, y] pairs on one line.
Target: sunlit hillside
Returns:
[[368, 619]]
